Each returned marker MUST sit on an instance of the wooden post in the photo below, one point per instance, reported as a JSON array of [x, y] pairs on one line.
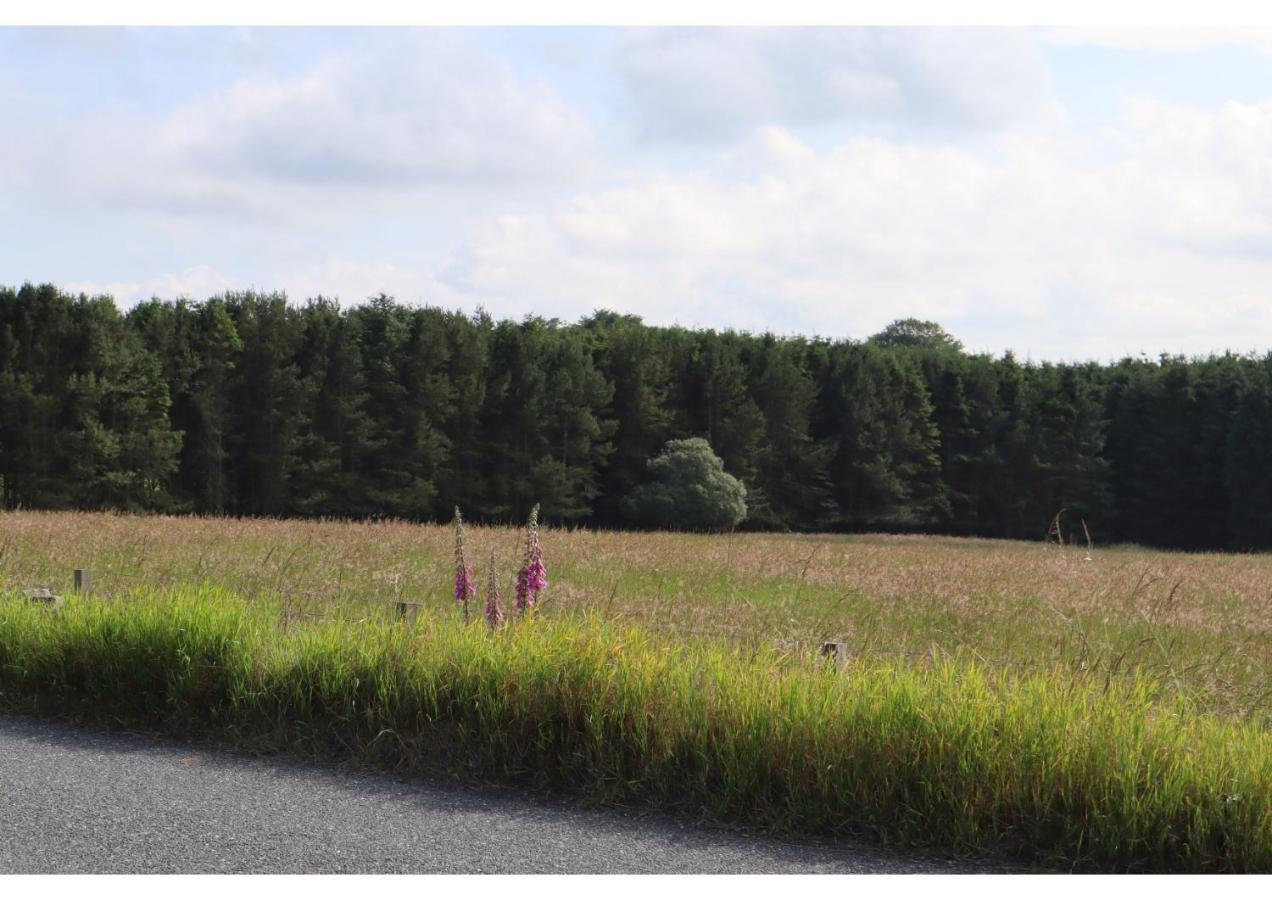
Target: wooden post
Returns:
[[407, 612], [836, 652], [83, 582]]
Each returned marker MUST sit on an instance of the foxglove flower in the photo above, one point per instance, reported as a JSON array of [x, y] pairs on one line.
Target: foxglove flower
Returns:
[[537, 574], [532, 578], [465, 590], [523, 590], [494, 612]]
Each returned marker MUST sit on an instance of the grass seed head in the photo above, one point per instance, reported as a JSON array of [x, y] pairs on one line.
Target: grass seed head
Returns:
[[494, 612]]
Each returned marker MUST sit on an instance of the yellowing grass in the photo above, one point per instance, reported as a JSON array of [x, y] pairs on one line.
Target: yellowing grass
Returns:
[[955, 756]]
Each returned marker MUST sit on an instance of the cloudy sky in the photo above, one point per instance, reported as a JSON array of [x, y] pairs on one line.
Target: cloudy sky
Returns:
[[1067, 194]]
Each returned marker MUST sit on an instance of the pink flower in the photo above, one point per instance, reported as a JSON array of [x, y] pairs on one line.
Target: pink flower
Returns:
[[537, 574], [532, 578], [523, 590], [464, 589]]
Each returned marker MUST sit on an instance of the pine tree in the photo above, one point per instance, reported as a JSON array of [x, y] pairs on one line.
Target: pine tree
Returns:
[[462, 478], [1069, 432], [791, 468], [84, 422], [636, 366], [1248, 461], [332, 458], [265, 401], [721, 408], [885, 469]]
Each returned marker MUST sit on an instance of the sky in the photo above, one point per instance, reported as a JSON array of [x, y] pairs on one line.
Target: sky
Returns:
[[1066, 194]]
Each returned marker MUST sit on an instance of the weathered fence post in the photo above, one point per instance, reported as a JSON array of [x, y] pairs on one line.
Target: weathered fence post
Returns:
[[407, 612], [836, 652], [83, 582]]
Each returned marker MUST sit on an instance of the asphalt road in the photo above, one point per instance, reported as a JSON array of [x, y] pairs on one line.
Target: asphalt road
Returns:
[[80, 800]]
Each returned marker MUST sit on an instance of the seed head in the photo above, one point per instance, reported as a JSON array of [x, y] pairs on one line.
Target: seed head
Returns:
[[494, 612], [465, 590]]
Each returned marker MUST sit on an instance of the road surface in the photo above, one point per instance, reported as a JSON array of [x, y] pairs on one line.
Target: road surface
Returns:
[[85, 800]]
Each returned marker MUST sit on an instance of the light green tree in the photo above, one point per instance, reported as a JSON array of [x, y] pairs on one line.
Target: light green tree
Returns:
[[689, 490]]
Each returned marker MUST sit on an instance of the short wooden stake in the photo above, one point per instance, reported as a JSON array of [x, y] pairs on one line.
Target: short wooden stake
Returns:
[[836, 652], [407, 612], [83, 582]]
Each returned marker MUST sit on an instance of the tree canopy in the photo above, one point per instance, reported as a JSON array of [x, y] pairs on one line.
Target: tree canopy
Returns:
[[916, 333], [689, 490], [248, 404]]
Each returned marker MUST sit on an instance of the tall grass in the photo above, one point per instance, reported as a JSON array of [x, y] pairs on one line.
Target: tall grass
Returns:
[[1200, 625], [954, 756]]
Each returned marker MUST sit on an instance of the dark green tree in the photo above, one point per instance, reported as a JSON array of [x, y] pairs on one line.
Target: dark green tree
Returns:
[[1069, 434], [264, 413], [83, 406], [885, 469], [1248, 462], [635, 363], [791, 468], [720, 407], [331, 466]]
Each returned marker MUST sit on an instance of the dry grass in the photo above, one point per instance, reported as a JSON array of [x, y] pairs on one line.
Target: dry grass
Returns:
[[1198, 623]]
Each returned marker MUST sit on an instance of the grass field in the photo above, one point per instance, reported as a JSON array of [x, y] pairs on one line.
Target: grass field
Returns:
[[1003, 698], [1200, 624]]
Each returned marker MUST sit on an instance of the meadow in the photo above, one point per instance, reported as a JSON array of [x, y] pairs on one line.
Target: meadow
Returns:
[[1001, 698]]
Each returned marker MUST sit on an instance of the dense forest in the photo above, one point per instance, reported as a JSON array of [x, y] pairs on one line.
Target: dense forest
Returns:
[[246, 404]]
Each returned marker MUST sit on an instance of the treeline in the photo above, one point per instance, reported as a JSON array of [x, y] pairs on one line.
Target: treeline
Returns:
[[248, 405]]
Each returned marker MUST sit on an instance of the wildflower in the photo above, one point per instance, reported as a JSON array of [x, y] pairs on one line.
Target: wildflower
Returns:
[[537, 574], [465, 590], [532, 578], [523, 589], [494, 612]]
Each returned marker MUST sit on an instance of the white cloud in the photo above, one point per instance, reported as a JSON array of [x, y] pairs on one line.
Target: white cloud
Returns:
[[1174, 39], [1032, 243], [196, 282], [720, 83], [423, 111], [1205, 176], [426, 110], [354, 280]]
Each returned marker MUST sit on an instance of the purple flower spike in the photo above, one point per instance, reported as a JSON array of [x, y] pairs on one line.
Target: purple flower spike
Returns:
[[464, 589], [537, 573], [524, 600], [533, 576]]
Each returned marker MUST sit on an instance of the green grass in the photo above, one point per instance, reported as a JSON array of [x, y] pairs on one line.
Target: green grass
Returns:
[[1198, 625], [1076, 771]]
